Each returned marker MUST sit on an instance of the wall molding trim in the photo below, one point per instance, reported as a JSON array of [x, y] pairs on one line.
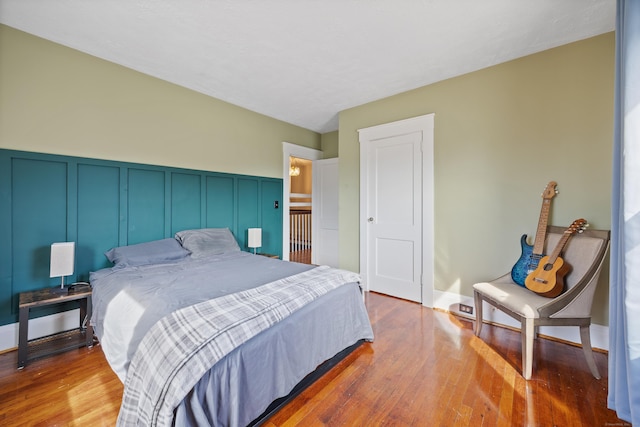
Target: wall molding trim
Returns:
[[101, 204]]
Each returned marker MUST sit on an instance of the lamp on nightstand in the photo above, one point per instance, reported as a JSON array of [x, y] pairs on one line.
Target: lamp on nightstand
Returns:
[[255, 238], [62, 260]]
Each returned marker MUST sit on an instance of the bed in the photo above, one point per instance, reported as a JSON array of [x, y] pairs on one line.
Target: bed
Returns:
[[201, 333]]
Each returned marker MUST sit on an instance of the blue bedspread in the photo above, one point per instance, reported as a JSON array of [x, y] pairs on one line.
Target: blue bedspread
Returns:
[[128, 302]]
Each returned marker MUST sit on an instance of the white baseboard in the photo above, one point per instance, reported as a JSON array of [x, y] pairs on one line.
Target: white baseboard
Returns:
[[449, 301], [39, 327]]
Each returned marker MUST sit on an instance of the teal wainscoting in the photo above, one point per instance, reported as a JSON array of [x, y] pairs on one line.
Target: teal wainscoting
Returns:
[[101, 204]]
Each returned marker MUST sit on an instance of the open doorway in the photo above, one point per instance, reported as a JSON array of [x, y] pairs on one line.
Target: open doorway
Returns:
[[297, 213], [300, 211]]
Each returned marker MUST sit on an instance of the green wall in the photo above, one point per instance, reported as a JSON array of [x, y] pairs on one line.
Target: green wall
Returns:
[[501, 134], [330, 144], [57, 100]]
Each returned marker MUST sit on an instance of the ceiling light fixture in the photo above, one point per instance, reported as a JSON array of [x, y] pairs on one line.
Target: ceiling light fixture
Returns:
[[294, 170]]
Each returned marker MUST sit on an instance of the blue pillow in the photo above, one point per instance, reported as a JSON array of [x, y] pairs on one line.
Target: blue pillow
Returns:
[[208, 241], [154, 252]]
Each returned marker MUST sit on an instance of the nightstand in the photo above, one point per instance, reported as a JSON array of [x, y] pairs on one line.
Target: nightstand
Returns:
[[56, 343]]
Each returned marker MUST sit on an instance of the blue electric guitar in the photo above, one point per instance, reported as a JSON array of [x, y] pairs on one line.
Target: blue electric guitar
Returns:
[[531, 255]]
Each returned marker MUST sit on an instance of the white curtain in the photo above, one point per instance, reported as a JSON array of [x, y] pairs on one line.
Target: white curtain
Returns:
[[624, 318]]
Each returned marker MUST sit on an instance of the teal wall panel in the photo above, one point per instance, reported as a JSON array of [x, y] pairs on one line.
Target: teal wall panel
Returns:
[[101, 204], [248, 209], [221, 206], [38, 218], [271, 219], [146, 205], [6, 253], [98, 216], [39, 212], [186, 201]]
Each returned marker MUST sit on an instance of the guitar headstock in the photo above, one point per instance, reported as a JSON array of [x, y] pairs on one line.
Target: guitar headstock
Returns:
[[550, 190], [577, 226]]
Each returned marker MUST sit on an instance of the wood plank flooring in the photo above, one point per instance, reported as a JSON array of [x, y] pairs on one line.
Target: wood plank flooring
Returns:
[[425, 368], [303, 256]]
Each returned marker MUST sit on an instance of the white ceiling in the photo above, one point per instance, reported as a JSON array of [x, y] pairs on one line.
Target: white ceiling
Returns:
[[303, 61]]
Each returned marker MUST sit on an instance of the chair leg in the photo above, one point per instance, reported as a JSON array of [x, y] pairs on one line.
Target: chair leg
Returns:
[[585, 337], [478, 302], [528, 333]]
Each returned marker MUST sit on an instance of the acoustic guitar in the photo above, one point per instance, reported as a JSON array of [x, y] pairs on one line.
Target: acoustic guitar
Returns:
[[530, 256], [548, 278]]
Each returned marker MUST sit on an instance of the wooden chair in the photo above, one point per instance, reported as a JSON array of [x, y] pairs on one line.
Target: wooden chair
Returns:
[[585, 252]]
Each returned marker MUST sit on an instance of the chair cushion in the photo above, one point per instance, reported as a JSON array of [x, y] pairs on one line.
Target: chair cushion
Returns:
[[512, 296]]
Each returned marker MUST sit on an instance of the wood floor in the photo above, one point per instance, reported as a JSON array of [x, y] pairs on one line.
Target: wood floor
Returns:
[[303, 256], [425, 368]]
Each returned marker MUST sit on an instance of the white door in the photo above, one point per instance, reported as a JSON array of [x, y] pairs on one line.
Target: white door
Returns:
[[324, 244], [392, 207]]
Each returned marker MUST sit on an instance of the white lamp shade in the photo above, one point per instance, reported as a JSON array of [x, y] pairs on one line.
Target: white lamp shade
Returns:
[[62, 257], [255, 237]]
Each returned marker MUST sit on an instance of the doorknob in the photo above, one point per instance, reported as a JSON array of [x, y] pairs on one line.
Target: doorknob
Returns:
[[370, 219]]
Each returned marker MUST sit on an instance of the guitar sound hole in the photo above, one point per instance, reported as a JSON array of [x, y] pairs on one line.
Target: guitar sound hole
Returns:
[[548, 267]]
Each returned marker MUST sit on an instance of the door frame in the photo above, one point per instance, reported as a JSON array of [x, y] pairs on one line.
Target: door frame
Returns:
[[424, 124], [301, 152]]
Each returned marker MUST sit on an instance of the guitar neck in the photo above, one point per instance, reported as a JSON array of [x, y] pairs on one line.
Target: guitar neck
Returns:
[[538, 244], [559, 247]]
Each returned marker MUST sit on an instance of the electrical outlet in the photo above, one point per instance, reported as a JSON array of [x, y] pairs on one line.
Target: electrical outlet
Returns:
[[466, 308]]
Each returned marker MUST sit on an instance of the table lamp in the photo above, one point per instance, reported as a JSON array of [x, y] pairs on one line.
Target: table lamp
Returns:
[[255, 238], [62, 260]]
